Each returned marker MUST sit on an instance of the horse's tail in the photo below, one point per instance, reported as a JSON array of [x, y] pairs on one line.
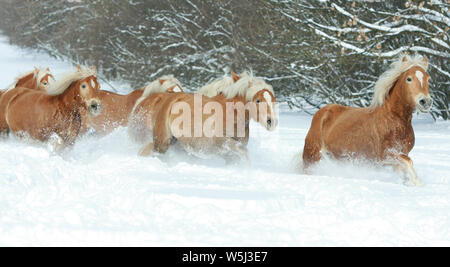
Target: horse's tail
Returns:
[[314, 141], [162, 132]]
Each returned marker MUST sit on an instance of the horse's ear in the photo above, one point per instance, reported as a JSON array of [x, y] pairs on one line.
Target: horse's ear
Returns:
[[405, 58], [36, 71], [425, 59], [93, 68], [47, 69], [78, 67], [161, 81], [235, 76]]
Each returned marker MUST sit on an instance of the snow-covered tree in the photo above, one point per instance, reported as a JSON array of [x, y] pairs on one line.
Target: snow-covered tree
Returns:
[[313, 52]]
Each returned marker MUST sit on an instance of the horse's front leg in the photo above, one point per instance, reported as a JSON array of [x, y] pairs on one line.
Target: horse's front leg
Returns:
[[55, 143], [239, 149], [146, 151], [405, 165], [162, 138]]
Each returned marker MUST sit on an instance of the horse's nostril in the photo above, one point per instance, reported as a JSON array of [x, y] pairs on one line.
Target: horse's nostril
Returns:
[[269, 122], [423, 102]]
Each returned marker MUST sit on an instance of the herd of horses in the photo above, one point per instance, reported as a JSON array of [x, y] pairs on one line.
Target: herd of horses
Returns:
[[58, 112]]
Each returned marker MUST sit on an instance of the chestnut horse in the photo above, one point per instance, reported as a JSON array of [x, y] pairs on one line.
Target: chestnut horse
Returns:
[[157, 118], [381, 132], [116, 108], [38, 79], [221, 86], [55, 115]]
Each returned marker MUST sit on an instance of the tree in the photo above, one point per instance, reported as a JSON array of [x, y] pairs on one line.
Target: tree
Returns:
[[313, 52]]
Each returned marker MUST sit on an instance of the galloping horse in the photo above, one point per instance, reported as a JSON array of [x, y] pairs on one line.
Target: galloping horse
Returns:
[[158, 116], [38, 79], [116, 108], [382, 131], [55, 114], [223, 85]]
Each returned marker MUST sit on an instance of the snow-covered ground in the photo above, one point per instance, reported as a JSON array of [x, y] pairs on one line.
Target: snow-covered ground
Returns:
[[101, 193]]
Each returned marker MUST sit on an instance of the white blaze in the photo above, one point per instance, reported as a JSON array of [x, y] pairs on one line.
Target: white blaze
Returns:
[[419, 76], [268, 98]]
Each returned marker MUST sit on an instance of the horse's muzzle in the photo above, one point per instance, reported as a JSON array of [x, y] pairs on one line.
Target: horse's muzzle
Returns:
[[271, 124], [94, 107], [424, 104]]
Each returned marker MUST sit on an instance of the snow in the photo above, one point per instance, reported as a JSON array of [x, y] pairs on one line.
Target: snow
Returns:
[[101, 193]]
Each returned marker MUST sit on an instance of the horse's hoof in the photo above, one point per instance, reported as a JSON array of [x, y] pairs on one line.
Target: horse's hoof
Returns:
[[146, 151]]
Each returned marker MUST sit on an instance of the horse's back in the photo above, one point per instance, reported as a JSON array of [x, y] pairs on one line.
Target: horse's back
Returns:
[[340, 130]]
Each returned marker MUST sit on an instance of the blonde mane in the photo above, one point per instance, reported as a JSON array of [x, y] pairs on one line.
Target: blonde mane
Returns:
[[62, 84], [216, 87], [389, 77], [38, 74], [248, 85], [156, 87]]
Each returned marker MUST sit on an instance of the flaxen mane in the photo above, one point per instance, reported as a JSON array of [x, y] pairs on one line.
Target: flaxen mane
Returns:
[[216, 87], [64, 83], [156, 87], [248, 85], [389, 77]]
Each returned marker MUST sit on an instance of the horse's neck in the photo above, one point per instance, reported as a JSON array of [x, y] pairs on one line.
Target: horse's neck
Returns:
[[70, 97], [135, 95], [397, 104], [27, 82], [238, 99]]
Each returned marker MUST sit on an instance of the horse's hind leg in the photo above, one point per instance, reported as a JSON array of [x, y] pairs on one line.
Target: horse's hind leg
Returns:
[[4, 128]]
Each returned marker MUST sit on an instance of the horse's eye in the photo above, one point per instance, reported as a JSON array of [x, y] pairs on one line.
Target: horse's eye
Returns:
[[409, 79], [258, 101], [83, 86], [44, 83]]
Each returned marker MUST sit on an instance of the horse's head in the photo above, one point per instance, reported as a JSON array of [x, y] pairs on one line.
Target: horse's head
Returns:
[[415, 84], [170, 84], [407, 79], [44, 78], [89, 91], [260, 95], [38, 79], [265, 105]]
